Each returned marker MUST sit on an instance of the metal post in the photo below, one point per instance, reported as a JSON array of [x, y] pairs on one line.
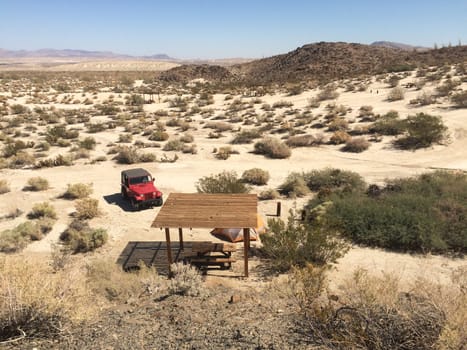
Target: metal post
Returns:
[[246, 248]]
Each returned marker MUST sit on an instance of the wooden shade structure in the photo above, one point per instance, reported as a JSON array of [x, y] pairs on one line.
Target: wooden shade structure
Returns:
[[201, 210]]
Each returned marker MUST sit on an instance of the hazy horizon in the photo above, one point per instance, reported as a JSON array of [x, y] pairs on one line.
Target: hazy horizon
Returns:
[[207, 29]]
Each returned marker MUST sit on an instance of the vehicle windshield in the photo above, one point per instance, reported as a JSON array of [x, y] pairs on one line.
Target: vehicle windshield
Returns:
[[139, 180]]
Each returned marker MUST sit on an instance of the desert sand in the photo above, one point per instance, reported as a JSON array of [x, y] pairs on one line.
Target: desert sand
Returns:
[[381, 161]]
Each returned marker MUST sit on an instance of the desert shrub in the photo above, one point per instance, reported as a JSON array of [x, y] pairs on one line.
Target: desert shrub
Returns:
[[19, 109], [294, 186], [388, 124], [334, 179], [256, 176], [125, 138], [59, 160], [396, 94], [77, 191], [296, 243], [147, 157], [393, 80], [224, 153], [17, 238], [246, 136], [159, 135], [423, 130], [225, 182], [185, 280], [328, 93], [187, 138], [42, 210], [268, 194], [173, 145], [339, 137], [460, 99], [302, 141], [88, 143], [272, 148], [4, 187], [87, 208], [127, 155], [81, 238], [37, 184], [446, 88], [338, 124], [282, 104], [424, 213], [356, 145], [94, 128]]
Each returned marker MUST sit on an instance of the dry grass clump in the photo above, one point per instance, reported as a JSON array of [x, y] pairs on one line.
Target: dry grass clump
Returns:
[[17, 238], [460, 99], [338, 124], [37, 184], [36, 303], [159, 135], [174, 145], [78, 191], [356, 145], [127, 155], [4, 187], [272, 148], [186, 280], [219, 126], [246, 136], [59, 160], [256, 176], [107, 279], [377, 312]]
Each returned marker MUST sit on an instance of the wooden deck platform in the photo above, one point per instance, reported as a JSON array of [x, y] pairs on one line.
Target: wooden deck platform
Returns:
[[154, 253]]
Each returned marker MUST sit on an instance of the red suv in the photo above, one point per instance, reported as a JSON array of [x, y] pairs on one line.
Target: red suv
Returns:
[[137, 186]]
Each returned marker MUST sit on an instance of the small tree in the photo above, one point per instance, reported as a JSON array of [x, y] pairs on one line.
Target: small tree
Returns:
[[423, 130]]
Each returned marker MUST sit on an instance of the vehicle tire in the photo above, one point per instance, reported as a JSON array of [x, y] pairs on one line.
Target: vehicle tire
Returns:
[[124, 194], [160, 202], [134, 204]]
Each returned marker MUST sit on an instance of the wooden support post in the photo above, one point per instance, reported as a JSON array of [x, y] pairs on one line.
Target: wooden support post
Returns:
[[246, 248], [169, 248], [278, 209], [180, 237]]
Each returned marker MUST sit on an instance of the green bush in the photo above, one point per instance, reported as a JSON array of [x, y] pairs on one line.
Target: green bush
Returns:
[[424, 213], [272, 148], [225, 182], [334, 179], [388, 124], [78, 190], [37, 184], [256, 176], [423, 130], [16, 239], [296, 243]]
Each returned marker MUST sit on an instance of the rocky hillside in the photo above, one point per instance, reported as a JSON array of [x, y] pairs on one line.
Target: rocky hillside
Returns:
[[322, 61]]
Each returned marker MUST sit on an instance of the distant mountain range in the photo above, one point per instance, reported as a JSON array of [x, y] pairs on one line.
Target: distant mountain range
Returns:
[[71, 53]]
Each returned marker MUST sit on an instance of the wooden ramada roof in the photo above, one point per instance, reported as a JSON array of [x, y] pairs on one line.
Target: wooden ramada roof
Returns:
[[201, 210]]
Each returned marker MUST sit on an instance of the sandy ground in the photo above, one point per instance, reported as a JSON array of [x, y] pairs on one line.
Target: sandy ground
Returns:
[[378, 163]]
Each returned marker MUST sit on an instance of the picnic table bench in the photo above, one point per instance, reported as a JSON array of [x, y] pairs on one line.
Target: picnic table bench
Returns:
[[205, 254]]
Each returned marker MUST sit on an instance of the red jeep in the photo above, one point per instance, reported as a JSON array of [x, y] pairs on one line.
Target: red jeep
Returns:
[[138, 187]]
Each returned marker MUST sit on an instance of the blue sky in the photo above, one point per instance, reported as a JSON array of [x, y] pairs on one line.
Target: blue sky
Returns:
[[225, 29]]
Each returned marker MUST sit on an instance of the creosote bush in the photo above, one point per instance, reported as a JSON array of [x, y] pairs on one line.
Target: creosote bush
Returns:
[[42, 210], [78, 191], [256, 176], [423, 130], [87, 208], [81, 238], [296, 243], [356, 145], [272, 148], [37, 184], [225, 182]]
